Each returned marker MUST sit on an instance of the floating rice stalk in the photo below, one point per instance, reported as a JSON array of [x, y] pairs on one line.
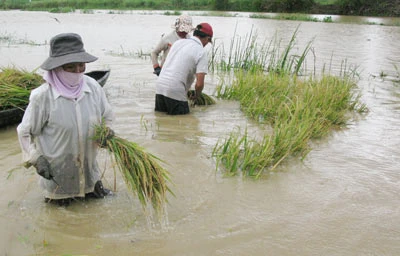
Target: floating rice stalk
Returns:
[[204, 99], [141, 171], [16, 86]]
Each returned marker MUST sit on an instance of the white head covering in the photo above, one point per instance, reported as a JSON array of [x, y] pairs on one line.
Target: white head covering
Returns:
[[183, 24]]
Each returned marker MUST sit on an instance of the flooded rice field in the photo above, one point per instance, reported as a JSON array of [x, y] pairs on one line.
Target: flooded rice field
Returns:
[[343, 199]]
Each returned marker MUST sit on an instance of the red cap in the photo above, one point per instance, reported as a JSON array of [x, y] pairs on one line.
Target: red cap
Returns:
[[206, 28]]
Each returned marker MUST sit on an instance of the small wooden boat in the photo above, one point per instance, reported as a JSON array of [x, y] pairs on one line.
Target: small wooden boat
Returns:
[[100, 75], [14, 115], [11, 116]]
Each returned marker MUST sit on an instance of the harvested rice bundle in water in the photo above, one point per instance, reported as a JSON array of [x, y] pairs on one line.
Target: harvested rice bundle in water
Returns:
[[141, 171], [204, 99], [16, 86]]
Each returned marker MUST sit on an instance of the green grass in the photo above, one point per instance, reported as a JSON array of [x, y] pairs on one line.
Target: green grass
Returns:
[[245, 53], [297, 109], [323, 2]]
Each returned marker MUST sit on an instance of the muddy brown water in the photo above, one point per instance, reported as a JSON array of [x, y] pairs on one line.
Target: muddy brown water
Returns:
[[343, 199]]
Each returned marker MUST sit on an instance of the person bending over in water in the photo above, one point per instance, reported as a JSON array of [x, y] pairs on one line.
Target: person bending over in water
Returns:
[[182, 28], [187, 61]]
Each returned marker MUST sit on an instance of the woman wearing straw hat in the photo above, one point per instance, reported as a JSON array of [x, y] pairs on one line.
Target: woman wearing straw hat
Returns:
[[182, 27], [186, 62], [56, 130]]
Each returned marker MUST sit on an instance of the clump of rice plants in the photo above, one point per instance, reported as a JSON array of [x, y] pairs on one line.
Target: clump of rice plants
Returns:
[[16, 86], [243, 53], [246, 53], [239, 153], [298, 110], [141, 171], [203, 100]]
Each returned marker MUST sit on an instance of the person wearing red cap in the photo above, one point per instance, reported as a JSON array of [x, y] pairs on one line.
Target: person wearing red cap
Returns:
[[182, 28], [186, 63]]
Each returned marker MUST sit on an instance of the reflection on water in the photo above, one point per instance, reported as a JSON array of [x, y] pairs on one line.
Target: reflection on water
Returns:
[[342, 200]]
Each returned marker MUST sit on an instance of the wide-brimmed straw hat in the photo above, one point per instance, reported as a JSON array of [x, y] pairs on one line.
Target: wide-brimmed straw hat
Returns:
[[66, 48], [183, 24]]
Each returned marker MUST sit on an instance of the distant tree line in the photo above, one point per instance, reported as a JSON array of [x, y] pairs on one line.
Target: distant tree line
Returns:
[[339, 7], [370, 7]]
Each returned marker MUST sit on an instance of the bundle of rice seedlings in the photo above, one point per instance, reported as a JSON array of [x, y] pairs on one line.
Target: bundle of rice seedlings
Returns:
[[16, 86], [141, 171], [204, 99]]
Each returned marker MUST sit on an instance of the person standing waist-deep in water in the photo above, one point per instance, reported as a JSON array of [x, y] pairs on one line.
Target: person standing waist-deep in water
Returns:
[[58, 125], [186, 62]]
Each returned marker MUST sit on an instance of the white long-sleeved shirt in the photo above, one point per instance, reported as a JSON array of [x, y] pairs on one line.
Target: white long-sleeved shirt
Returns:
[[61, 129], [164, 45], [186, 58]]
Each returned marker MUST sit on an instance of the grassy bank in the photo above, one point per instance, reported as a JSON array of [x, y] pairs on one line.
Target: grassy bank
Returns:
[[68, 5], [333, 7]]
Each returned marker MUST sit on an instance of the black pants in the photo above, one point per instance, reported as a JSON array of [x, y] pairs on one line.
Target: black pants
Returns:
[[171, 106]]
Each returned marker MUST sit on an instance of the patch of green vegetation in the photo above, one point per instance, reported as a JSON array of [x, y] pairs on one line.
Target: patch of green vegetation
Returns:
[[15, 87], [174, 13], [61, 10], [296, 16], [297, 110], [12, 39], [325, 2], [327, 19]]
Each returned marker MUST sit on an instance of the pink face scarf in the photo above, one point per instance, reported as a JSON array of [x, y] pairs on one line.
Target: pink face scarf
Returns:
[[67, 84]]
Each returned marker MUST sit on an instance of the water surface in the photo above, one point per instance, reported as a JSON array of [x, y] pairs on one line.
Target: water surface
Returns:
[[342, 200]]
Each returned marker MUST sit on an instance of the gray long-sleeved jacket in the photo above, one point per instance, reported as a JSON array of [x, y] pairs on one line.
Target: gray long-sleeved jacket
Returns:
[[61, 129]]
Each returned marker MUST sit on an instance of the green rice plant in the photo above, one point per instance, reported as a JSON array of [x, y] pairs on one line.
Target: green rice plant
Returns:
[[397, 71], [229, 153], [258, 157], [12, 39], [141, 171], [287, 62], [16, 86], [203, 100], [260, 95], [245, 53], [297, 109], [6, 37], [292, 131]]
